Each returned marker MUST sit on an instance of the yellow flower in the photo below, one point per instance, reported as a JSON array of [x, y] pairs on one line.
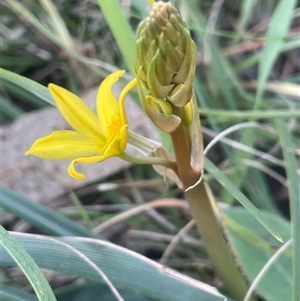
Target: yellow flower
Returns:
[[95, 138]]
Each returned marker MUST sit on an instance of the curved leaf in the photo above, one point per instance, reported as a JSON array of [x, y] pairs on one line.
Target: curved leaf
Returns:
[[125, 268], [14, 81], [27, 265]]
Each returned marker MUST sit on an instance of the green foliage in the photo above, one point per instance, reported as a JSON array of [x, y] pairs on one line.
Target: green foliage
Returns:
[[12, 294], [27, 265], [245, 71], [294, 195], [240, 197], [135, 272], [49, 221], [255, 246], [121, 30]]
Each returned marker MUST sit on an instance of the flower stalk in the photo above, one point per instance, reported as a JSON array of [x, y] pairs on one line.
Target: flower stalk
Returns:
[[210, 228], [165, 69]]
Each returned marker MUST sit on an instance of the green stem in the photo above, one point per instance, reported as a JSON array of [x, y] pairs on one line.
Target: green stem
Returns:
[[211, 234], [148, 160], [207, 222]]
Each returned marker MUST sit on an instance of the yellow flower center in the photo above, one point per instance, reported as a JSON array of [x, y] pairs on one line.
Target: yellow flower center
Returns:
[[115, 125]]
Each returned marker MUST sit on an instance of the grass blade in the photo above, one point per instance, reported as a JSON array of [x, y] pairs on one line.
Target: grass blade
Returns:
[[252, 59], [20, 10], [249, 114], [28, 266], [120, 28], [57, 23], [294, 196], [246, 13], [254, 246], [20, 82], [8, 109], [41, 217], [278, 27], [240, 197]]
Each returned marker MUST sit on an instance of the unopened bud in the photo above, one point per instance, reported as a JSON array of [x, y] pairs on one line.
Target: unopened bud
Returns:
[[165, 56]]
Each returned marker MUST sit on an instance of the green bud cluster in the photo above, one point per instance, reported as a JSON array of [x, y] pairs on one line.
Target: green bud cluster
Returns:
[[165, 56], [165, 66]]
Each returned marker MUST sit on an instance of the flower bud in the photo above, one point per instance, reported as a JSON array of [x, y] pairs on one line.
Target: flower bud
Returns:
[[165, 56]]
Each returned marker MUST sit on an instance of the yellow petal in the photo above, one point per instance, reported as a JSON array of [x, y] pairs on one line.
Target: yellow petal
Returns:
[[107, 105], [62, 145], [75, 111], [88, 160], [124, 137], [127, 88]]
